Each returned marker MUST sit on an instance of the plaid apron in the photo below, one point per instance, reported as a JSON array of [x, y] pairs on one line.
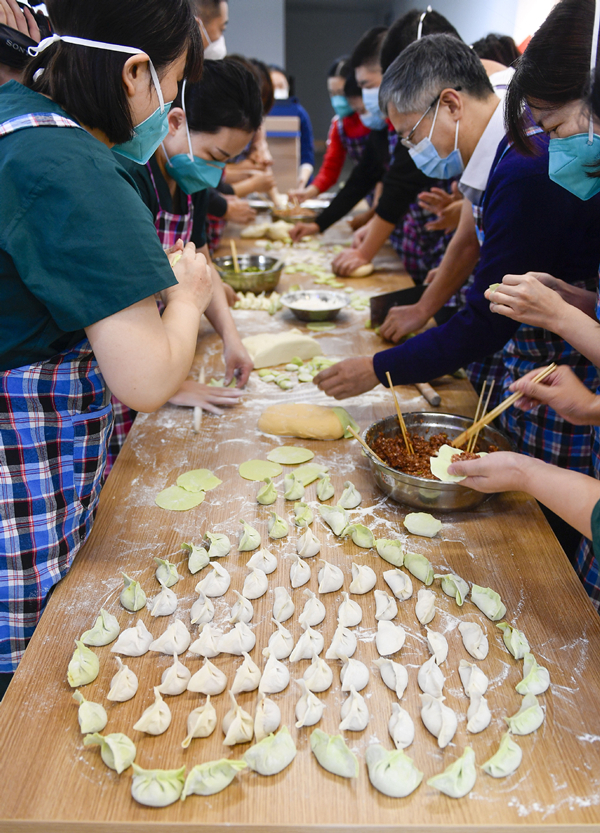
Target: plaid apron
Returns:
[[354, 146], [215, 227]]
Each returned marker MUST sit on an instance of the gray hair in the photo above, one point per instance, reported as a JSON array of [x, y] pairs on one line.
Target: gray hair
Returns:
[[427, 67]]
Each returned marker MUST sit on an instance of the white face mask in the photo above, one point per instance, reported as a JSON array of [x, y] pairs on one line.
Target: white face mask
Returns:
[[215, 50], [280, 95]]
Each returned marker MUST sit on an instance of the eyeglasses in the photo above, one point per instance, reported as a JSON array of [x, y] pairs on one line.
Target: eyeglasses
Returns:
[[406, 141]]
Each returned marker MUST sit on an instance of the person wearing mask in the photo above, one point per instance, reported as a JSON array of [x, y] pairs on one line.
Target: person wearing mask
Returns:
[[80, 263], [287, 104], [212, 17]]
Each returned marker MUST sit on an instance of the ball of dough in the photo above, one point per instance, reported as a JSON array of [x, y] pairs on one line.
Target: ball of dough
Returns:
[[313, 422], [362, 271]]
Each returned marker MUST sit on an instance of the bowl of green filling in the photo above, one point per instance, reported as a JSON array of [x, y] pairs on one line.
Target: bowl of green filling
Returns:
[[258, 273]]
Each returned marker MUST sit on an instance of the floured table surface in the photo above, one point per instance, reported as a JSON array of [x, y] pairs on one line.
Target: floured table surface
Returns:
[[49, 781]]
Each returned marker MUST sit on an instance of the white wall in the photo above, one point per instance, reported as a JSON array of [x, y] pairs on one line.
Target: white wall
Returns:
[[257, 29], [473, 19], [530, 14]]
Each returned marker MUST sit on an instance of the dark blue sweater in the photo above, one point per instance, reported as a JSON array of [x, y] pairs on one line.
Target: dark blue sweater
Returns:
[[292, 107], [530, 224]]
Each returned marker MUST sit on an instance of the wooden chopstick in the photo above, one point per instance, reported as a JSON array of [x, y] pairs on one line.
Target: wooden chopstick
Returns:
[[366, 447], [460, 440], [234, 255], [478, 411], [475, 437], [197, 409], [401, 422]]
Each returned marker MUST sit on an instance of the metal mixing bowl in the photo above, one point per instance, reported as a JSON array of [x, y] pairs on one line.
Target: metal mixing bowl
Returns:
[[263, 281], [420, 492], [293, 301]]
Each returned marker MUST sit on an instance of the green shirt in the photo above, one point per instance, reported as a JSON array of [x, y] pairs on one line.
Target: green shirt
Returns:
[[77, 244]]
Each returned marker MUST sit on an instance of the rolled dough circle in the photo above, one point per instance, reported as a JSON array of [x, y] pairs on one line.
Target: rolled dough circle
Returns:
[[178, 499], [198, 480], [290, 455], [259, 469]]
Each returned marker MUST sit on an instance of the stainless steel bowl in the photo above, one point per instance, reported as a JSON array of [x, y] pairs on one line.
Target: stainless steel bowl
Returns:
[[263, 281], [420, 492], [293, 301]]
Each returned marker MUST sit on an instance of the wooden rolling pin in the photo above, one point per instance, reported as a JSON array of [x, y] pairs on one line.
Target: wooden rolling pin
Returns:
[[431, 395]]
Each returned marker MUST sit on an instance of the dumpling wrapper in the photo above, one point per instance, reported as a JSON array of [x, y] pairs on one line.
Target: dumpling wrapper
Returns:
[[439, 465], [333, 754], [257, 470], [272, 349], [177, 499], [198, 480], [290, 455]]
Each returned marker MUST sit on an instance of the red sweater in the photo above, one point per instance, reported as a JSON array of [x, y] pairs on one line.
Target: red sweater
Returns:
[[335, 154]]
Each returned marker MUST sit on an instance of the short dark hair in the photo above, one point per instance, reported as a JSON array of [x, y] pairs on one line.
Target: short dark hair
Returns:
[[428, 66], [228, 95], [263, 78], [499, 48], [406, 29], [86, 81], [351, 88], [208, 9], [367, 49], [554, 69], [340, 68]]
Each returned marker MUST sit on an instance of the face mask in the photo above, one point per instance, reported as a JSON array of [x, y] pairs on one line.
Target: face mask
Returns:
[[341, 106], [215, 50], [428, 160], [373, 118], [148, 135], [280, 95]]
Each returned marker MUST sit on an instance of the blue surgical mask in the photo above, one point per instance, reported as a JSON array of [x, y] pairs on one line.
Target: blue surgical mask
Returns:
[[341, 106], [428, 160], [569, 161], [373, 118]]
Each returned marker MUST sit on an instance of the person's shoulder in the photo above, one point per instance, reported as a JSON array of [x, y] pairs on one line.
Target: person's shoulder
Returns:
[[513, 164]]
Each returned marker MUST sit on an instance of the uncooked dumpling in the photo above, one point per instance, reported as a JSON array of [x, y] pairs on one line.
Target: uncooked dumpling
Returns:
[[318, 676], [212, 777], [272, 754], [430, 678], [203, 610], [256, 584], [478, 714], [303, 514], [354, 713], [198, 557], [91, 716], [472, 677], [325, 489], [275, 676], [361, 535], [422, 523], [272, 349], [313, 612], [515, 640], [238, 640], [220, 545], [385, 605], [175, 678], [207, 644], [267, 717], [335, 517], [247, 677], [156, 719], [299, 572], [208, 680], [237, 724], [264, 560], [176, 638], [333, 754], [283, 606], [164, 604], [242, 610], [116, 750], [353, 673], [419, 566], [277, 526], [132, 596], [438, 719], [351, 497], [506, 760], [267, 494], [536, 678], [364, 579], [311, 642], [425, 607], [123, 685], [166, 572], [488, 602], [249, 539], [308, 544], [390, 551], [394, 675], [390, 638], [392, 772], [438, 645], [201, 723], [454, 586], [105, 630], [133, 642], [474, 639], [529, 717], [349, 612], [157, 787], [401, 727], [309, 709], [399, 583], [280, 643], [293, 419], [216, 583], [330, 577], [343, 644], [293, 489], [459, 778]]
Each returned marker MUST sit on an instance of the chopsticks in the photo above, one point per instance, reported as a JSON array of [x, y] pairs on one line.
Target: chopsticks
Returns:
[[401, 423], [473, 441], [234, 255], [477, 426], [367, 448], [197, 409]]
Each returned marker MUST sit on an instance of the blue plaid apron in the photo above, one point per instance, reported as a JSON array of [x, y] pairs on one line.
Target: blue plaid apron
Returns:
[[354, 146]]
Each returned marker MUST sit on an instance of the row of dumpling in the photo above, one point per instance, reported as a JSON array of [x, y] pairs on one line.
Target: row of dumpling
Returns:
[[293, 489]]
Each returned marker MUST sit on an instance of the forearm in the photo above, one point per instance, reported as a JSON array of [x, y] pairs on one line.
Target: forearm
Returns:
[[246, 186], [580, 331], [218, 312], [379, 231]]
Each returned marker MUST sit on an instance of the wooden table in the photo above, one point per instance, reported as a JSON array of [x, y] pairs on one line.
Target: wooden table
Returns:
[[50, 782]]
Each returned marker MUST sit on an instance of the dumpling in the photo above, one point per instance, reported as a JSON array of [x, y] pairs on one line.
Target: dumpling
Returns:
[[488, 602], [256, 584], [330, 577], [212, 777], [215, 583], [249, 539], [529, 717], [166, 572], [164, 604], [175, 678], [247, 677], [394, 675], [299, 572], [283, 606], [474, 639], [156, 719], [438, 719], [333, 754], [309, 709], [123, 685], [238, 726], [506, 760], [349, 612], [275, 676], [399, 583], [198, 557], [311, 642], [277, 526], [351, 497], [536, 678], [419, 566], [385, 606], [390, 638], [515, 640], [363, 579], [459, 778], [303, 514], [472, 677], [242, 610], [390, 551], [91, 716], [201, 723], [132, 596], [392, 772], [83, 667], [354, 673], [335, 517], [361, 535], [176, 639], [422, 523], [454, 586], [267, 717], [425, 606], [272, 754], [318, 676], [293, 489], [105, 630], [308, 544], [401, 727], [240, 639], [133, 642], [478, 714], [354, 713], [207, 644], [325, 488], [208, 680], [116, 750], [343, 644], [438, 645], [264, 560], [220, 545], [313, 612], [267, 494], [203, 610], [281, 642], [157, 787], [430, 678]]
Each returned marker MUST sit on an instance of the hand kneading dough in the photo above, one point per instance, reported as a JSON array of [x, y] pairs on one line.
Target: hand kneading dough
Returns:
[[312, 422], [362, 271], [270, 349]]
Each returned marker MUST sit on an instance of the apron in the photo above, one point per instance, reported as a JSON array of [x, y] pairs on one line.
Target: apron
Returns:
[[354, 146]]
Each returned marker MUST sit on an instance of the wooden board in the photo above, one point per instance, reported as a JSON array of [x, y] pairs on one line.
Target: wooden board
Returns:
[[50, 782]]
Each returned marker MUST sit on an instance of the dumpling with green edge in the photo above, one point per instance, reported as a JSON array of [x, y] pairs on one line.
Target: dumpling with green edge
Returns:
[[459, 778], [105, 630], [529, 717], [506, 760], [351, 497], [157, 787], [392, 772], [166, 572], [391, 551], [249, 539], [536, 678], [91, 716], [333, 754], [325, 488], [346, 421], [335, 517], [84, 666], [267, 494], [220, 545], [303, 514], [361, 535], [488, 602], [272, 754], [293, 489], [212, 777], [132, 596], [454, 586], [422, 523], [277, 526], [419, 566], [116, 750], [198, 557], [515, 640]]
